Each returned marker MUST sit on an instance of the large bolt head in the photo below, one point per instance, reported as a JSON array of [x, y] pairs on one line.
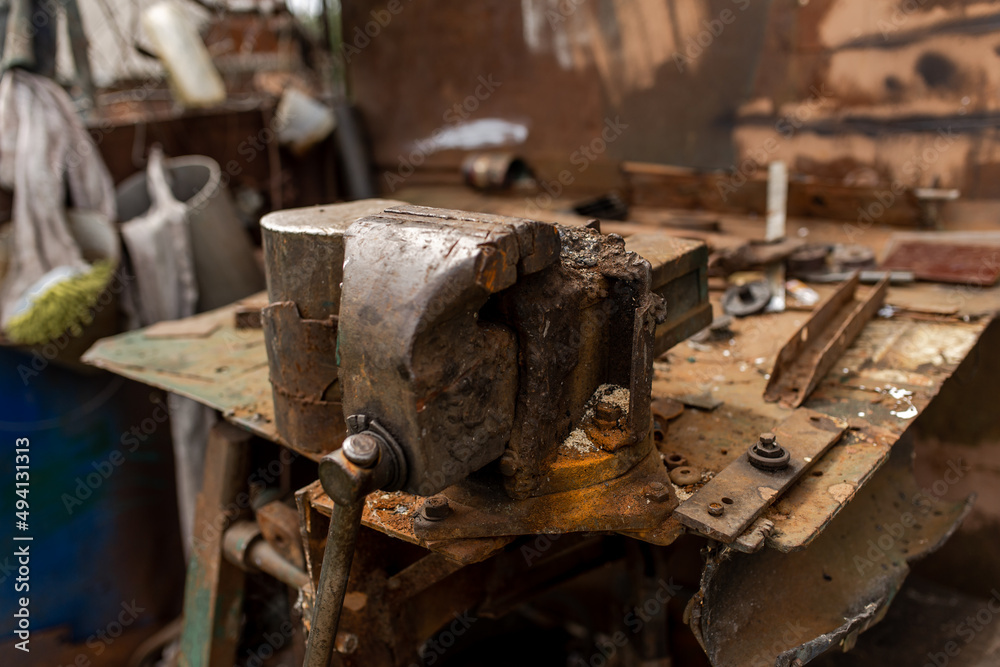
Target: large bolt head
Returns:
[[606, 414], [362, 449]]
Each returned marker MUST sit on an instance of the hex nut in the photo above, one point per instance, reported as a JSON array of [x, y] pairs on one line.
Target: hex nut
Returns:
[[716, 509], [436, 508], [606, 415], [656, 491]]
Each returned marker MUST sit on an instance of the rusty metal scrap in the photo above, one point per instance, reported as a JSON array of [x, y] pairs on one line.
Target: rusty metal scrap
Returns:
[[965, 264], [726, 506], [816, 346], [828, 593]]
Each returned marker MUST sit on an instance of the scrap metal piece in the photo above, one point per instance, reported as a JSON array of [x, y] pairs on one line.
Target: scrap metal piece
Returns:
[[808, 259], [746, 299], [813, 350], [685, 475], [947, 262], [828, 593], [852, 257], [495, 171], [746, 491]]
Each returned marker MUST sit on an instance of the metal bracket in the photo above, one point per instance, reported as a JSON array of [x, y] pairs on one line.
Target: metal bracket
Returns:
[[743, 492]]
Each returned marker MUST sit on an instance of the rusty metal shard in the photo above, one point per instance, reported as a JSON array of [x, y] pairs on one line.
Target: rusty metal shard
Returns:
[[829, 592], [745, 492], [812, 350], [965, 264]]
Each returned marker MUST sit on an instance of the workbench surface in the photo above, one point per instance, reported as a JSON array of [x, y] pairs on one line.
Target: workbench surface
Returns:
[[884, 380]]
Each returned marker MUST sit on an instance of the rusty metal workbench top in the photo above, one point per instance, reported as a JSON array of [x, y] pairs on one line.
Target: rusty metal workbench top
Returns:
[[883, 381]]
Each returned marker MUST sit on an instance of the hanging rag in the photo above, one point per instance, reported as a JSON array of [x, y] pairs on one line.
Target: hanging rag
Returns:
[[45, 154]]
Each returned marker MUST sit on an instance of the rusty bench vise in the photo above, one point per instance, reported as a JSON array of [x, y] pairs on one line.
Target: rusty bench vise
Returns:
[[500, 366]]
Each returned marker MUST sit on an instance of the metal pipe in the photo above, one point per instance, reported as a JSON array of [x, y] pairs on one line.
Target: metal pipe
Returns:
[[245, 547], [344, 526], [267, 559]]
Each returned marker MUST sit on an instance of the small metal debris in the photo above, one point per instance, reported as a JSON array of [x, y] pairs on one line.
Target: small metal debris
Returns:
[[674, 460], [747, 299], [685, 476]]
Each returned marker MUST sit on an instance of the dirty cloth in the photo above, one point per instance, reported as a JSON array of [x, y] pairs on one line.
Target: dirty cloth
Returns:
[[45, 153], [159, 247]]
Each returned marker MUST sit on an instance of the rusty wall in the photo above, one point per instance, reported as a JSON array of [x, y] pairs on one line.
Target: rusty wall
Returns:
[[857, 90]]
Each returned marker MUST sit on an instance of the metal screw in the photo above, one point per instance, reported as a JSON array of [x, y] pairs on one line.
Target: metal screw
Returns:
[[607, 414], [656, 491], [436, 508], [767, 439], [716, 509], [362, 449], [346, 642]]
